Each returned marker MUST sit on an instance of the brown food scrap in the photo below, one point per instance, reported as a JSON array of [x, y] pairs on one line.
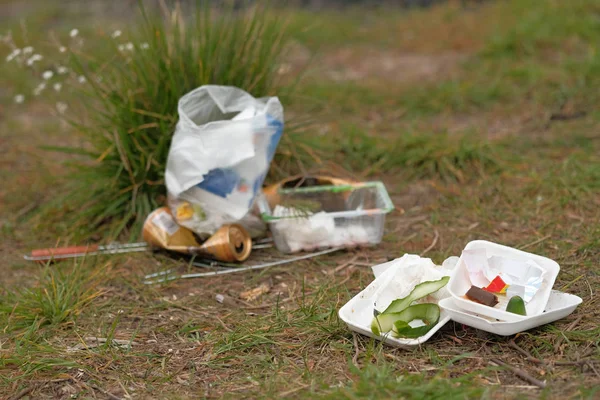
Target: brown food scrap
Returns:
[[253, 294], [481, 296]]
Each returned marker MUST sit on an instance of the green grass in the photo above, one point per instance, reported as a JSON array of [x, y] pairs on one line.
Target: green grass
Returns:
[[567, 28], [59, 298], [385, 381], [420, 154]]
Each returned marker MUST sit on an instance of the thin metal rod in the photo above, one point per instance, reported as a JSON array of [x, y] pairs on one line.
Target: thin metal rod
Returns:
[[249, 268], [262, 246]]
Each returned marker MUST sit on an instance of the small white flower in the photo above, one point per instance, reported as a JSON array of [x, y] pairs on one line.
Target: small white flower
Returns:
[[129, 46], [28, 50], [116, 34], [61, 107], [47, 75], [13, 54], [62, 49], [57, 87], [19, 99], [39, 89], [144, 46], [34, 58], [81, 79], [121, 47], [62, 70], [74, 32]]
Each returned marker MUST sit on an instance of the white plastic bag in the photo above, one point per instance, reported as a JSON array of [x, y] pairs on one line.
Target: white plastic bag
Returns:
[[219, 157]]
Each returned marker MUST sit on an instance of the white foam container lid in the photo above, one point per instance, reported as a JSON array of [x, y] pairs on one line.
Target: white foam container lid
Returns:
[[460, 282]]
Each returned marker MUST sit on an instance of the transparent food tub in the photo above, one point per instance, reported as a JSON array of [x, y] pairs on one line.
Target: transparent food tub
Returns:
[[310, 218]]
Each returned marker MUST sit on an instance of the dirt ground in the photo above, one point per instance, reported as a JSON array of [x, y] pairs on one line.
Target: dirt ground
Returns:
[[520, 77]]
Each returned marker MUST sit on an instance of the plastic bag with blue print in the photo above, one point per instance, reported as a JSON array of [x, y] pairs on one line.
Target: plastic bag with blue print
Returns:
[[220, 154]]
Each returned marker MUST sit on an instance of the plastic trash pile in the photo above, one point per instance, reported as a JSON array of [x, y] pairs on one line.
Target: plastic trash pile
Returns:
[[219, 157]]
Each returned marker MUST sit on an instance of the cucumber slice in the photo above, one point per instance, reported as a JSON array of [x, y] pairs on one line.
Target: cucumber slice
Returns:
[[418, 292], [429, 313]]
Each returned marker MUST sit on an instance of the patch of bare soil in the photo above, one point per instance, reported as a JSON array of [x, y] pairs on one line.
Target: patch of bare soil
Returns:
[[355, 64]]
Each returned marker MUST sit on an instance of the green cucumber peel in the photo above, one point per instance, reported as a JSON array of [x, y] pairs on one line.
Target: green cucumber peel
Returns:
[[418, 292], [429, 313]]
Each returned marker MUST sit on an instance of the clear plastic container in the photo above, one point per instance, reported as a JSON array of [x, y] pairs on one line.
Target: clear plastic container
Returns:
[[310, 218]]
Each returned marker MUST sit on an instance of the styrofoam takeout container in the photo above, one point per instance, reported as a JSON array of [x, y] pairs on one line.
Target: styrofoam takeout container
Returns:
[[559, 306], [460, 282], [358, 314]]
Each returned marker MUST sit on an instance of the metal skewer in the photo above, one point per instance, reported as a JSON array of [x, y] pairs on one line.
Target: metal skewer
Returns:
[[168, 277]]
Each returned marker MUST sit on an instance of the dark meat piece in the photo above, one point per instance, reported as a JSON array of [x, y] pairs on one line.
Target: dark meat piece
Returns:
[[481, 296]]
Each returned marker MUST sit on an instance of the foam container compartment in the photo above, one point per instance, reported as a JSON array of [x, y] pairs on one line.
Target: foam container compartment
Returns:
[[460, 283]]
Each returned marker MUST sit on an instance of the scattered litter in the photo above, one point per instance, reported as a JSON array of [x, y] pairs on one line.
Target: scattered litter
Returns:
[[309, 218], [220, 298], [229, 243], [253, 294], [219, 157], [397, 288]]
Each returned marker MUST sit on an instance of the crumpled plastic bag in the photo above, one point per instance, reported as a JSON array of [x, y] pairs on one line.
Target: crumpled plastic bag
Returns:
[[219, 157]]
